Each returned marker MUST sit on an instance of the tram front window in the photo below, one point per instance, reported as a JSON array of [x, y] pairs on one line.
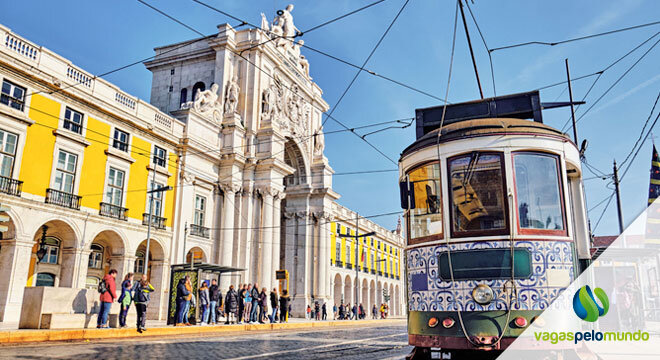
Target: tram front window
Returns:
[[477, 195], [538, 192], [426, 217]]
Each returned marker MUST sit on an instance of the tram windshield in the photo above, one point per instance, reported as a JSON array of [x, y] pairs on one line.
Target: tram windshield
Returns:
[[538, 192], [426, 218], [477, 194]]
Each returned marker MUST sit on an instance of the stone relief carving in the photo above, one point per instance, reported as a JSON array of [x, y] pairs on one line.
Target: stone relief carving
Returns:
[[264, 23], [206, 100], [304, 64], [283, 26], [230, 187], [231, 96], [319, 143]]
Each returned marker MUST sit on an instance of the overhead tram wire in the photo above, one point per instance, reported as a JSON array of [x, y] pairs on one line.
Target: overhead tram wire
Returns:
[[614, 84], [603, 213], [639, 148], [483, 39], [321, 52], [267, 74], [574, 39], [641, 134], [301, 33]]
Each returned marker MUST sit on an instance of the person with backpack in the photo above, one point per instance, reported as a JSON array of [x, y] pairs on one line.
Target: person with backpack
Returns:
[[214, 297], [125, 298], [107, 289], [141, 296], [204, 302]]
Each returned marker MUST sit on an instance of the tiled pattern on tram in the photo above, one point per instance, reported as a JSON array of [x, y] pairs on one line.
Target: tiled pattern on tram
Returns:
[[534, 293]]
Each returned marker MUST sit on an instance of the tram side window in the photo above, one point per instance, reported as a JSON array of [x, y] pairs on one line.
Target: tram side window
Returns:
[[426, 217], [538, 194], [478, 204]]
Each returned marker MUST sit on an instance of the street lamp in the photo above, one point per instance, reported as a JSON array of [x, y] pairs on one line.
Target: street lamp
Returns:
[[151, 210], [42, 244]]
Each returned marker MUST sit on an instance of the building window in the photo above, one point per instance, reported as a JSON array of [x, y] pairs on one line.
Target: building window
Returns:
[[115, 192], [65, 174], [120, 140], [139, 263], [199, 86], [45, 279], [200, 209], [73, 120], [160, 155], [171, 71], [158, 199], [348, 252], [7, 152], [52, 247], [337, 250], [96, 257], [92, 283], [12, 95], [373, 260], [171, 88], [184, 96]]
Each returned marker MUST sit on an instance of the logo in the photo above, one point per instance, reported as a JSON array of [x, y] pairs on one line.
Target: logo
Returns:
[[585, 305]]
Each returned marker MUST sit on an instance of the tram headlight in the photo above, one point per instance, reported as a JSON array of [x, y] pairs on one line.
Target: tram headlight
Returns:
[[482, 294]]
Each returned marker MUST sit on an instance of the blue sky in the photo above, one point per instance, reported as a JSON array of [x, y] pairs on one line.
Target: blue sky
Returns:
[[100, 36]]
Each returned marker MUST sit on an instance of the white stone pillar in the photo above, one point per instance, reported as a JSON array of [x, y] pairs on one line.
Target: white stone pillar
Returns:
[[265, 279], [324, 256], [227, 232], [246, 232], [238, 226], [73, 271], [277, 221], [160, 297], [15, 261], [123, 264]]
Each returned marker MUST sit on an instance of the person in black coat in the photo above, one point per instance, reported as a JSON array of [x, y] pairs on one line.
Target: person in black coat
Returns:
[[324, 312], [284, 306], [181, 298], [216, 300], [231, 305], [275, 304]]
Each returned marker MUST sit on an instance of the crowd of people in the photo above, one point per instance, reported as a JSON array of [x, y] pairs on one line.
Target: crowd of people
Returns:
[[243, 304]]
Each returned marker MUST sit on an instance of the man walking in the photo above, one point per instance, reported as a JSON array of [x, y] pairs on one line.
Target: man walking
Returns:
[[214, 296], [334, 312], [274, 303], [108, 289], [324, 312]]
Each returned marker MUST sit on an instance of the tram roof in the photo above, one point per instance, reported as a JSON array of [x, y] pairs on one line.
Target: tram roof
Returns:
[[526, 105], [481, 127]]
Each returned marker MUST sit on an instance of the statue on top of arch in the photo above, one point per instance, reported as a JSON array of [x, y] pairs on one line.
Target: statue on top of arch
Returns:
[[206, 102]]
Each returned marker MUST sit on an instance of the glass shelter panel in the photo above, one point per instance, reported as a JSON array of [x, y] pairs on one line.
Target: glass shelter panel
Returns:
[[538, 194]]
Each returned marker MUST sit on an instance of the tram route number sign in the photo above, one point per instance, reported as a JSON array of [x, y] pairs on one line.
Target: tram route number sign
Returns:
[[281, 274]]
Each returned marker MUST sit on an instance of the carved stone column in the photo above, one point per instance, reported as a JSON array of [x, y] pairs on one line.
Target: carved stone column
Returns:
[[228, 210], [158, 278], [247, 224], [302, 274], [323, 266], [15, 259], [73, 271], [265, 279], [277, 214]]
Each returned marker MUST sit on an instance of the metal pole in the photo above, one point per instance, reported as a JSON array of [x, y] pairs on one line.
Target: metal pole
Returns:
[[185, 235], [570, 96], [357, 269], [618, 197], [151, 209], [474, 62]]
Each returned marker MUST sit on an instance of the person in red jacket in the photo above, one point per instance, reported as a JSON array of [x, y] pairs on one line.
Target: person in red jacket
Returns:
[[108, 290]]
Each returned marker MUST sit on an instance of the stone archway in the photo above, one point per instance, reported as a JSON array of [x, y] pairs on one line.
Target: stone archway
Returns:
[[372, 295], [15, 258], [106, 251], [390, 304], [294, 158], [379, 294], [196, 254], [337, 290], [61, 257], [348, 290], [397, 300], [364, 299], [155, 273]]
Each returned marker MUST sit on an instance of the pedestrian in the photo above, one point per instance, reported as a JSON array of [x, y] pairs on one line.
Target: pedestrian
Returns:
[[382, 311], [255, 303], [141, 295], [308, 312], [241, 301], [275, 304], [324, 312], [107, 288], [204, 302], [361, 311], [181, 296], [355, 312], [125, 298], [341, 311], [231, 305], [214, 296], [284, 306], [263, 305], [317, 311], [374, 312], [334, 312], [248, 303], [190, 302]]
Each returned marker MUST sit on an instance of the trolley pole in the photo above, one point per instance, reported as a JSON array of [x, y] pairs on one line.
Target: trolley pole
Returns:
[[570, 96], [357, 237], [467, 34], [618, 198]]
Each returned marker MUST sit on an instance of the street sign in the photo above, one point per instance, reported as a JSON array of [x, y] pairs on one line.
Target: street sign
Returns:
[[281, 274]]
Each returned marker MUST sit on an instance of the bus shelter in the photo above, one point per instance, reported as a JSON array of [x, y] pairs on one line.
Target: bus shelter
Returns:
[[198, 272]]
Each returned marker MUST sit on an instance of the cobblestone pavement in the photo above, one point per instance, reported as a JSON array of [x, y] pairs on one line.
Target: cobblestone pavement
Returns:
[[365, 342]]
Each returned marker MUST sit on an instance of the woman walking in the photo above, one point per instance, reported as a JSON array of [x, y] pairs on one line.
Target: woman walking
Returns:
[[141, 294], [125, 298], [204, 302]]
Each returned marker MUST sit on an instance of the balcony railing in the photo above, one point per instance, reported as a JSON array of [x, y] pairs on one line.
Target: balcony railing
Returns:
[[198, 230], [63, 199], [349, 265], [339, 263], [156, 221], [373, 271], [113, 211], [380, 273], [11, 186], [398, 278]]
